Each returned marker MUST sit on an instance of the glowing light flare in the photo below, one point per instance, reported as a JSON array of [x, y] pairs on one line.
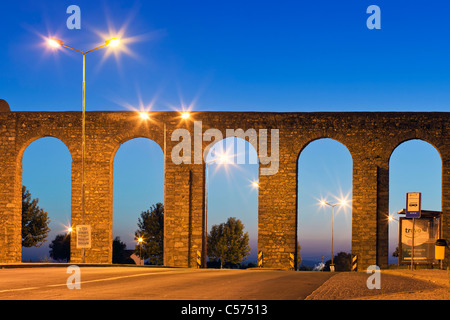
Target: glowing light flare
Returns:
[[224, 158], [69, 229], [144, 115], [185, 115], [341, 202], [114, 42], [255, 184], [391, 218], [54, 43]]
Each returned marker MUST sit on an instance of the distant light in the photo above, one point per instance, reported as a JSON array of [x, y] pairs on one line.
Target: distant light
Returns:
[[343, 202], [185, 115], [69, 229], [323, 202], [224, 158], [144, 115], [114, 42], [54, 43], [255, 184], [140, 239]]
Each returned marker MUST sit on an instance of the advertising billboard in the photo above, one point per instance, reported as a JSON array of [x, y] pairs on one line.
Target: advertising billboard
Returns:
[[426, 232]]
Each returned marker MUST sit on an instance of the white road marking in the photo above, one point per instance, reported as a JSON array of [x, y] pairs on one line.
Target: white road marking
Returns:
[[95, 280]]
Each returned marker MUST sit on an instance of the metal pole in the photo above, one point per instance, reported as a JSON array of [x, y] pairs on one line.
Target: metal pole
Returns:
[[83, 142], [83, 133], [412, 249], [332, 235]]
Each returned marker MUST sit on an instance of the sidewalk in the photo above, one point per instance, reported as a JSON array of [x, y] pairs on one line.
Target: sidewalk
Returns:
[[395, 285]]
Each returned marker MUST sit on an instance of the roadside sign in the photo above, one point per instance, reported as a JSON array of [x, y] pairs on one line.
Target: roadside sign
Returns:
[[83, 236], [426, 231], [413, 204]]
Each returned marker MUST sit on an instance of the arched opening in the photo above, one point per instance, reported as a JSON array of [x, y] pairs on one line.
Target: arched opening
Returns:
[[138, 186], [324, 187], [414, 166], [232, 189], [46, 174]]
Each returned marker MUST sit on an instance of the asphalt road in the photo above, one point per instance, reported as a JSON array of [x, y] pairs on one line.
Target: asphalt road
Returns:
[[143, 283]]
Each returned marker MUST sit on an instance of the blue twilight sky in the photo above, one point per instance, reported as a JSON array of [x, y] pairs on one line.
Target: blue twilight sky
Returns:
[[229, 56]]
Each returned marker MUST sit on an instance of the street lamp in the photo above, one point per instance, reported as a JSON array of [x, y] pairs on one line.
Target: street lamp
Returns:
[[56, 43], [185, 115], [140, 240], [342, 202], [391, 218], [224, 158], [144, 115]]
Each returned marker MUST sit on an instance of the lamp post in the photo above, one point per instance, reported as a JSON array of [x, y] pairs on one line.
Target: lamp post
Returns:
[[56, 43], [332, 205], [140, 240]]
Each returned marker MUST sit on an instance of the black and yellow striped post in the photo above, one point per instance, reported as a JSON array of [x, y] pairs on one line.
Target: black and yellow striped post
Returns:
[[355, 263], [199, 259], [291, 261], [260, 259]]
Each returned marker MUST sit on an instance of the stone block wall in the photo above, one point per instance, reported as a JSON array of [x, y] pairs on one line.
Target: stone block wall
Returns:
[[370, 137]]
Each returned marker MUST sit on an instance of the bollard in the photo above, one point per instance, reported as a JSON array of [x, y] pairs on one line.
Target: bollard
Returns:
[[439, 250], [199, 259], [355, 263], [260, 259]]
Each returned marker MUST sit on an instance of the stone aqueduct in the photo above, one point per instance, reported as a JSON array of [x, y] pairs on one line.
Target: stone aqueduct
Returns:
[[370, 137]]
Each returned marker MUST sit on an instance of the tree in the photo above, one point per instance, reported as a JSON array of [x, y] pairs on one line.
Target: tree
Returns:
[[342, 262], [228, 243], [35, 221], [60, 247], [120, 254], [151, 229]]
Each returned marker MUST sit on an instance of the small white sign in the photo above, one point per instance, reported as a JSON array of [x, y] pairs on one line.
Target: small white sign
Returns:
[[83, 236]]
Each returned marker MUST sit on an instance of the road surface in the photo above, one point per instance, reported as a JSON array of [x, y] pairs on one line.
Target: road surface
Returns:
[[148, 283]]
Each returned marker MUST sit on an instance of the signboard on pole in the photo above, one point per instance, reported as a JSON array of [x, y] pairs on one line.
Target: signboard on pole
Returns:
[[83, 236], [413, 204]]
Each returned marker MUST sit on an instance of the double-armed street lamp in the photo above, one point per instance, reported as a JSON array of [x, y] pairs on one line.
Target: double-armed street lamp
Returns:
[[56, 43], [342, 202]]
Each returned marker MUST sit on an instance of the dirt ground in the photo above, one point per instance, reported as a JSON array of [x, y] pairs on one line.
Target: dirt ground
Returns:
[[426, 284]]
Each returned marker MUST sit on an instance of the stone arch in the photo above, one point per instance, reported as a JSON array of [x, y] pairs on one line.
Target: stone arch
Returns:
[[427, 184], [306, 144], [114, 156], [120, 140], [249, 154], [397, 142], [66, 222], [332, 198], [26, 143]]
